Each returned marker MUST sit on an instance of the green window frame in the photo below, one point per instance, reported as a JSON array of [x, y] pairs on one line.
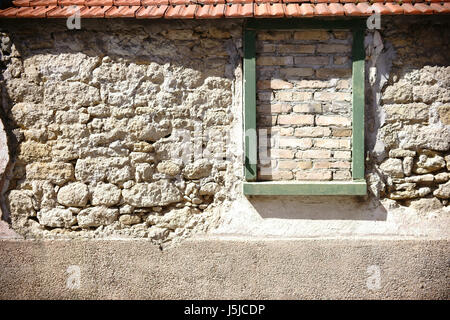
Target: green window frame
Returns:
[[357, 186]]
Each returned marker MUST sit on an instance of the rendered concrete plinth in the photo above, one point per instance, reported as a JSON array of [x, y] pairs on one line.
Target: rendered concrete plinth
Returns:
[[226, 268]]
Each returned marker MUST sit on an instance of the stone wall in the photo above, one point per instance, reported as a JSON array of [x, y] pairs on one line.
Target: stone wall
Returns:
[[304, 104], [408, 115], [121, 126], [97, 122]]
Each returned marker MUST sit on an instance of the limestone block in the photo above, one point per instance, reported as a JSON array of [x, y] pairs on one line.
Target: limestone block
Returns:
[[199, 169], [54, 172], [21, 203], [73, 195], [443, 191], [97, 216], [159, 193], [428, 164], [168, 167], [57, 217], [393, 167], [105, 194]]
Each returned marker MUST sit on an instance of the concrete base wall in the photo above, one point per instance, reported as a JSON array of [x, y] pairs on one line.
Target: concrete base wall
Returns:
[[226, 268]]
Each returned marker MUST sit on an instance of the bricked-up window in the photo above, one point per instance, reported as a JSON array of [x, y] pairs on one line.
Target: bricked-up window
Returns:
[[304, 107]]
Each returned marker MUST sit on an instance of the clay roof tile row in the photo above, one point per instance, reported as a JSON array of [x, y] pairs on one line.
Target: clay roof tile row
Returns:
[[210, 9]]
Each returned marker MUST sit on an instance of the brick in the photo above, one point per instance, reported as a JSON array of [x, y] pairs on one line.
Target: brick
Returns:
[[339, 132], [322, 164], [274, 35], [341, 35], [296, 119], [273, 108], [341, 164], [342, 175], [333, 48], [286, 131], [340, 60], [266, 120], [276, 175], [313, 154], [325, 73], [265, 161], [293, 96], [293, 164], [332, 96], [282, 154], [274, 61], [337, 121], [314, 60], [295, 48], [273, 84], [291, 142], [265, 47], [311, 107], [343, 84], [264, 96], [332, 143], [320, 175], [311, 35], [342, 155], [296, 72], [312, 132], [312, 84]]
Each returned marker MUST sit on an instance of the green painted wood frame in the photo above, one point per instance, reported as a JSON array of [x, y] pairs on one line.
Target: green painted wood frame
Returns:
[[357, 186]]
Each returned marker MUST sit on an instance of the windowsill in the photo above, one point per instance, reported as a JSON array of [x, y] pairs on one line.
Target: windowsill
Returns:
[[307, 188]]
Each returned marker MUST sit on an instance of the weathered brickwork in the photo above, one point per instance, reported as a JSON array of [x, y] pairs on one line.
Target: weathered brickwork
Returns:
[[304, 105], [120, 131], [409, 135]]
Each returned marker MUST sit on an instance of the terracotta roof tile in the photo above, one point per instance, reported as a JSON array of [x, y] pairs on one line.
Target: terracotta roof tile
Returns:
[[351, 9], [34, 12], [394, 8], [380, 8], [64, 12], [323, 10], [240, 10], [210, 9], [409, 9], [425, 9], [181, 12], [127, 2], [268, 10], [211, 1], [121, 11], [336, 9], [94, 12], [154, 2], [99, 2], [9, 12], [42, 3], [21, 3], [151, 12], [71, 2]]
